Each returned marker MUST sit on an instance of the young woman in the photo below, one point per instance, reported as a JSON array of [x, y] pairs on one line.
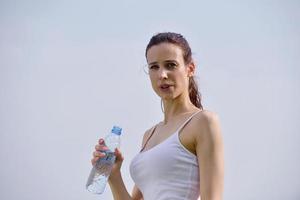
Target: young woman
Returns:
[[182, 156]]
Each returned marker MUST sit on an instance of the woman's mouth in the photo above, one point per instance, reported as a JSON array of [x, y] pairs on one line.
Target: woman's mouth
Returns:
[[165, 87]]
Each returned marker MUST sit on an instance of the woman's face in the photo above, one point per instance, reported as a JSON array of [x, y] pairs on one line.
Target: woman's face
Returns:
[[168, 73]]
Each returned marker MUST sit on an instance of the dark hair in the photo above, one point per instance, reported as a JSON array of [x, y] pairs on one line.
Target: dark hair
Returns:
[[179, 40]]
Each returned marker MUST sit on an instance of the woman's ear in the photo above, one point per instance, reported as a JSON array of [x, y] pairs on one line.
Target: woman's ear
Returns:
[[191, 69]]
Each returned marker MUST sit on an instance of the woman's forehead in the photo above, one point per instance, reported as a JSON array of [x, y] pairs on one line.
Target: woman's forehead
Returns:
[[164, 51]]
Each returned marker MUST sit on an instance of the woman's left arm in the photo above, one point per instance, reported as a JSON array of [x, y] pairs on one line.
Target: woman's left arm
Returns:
[[210, 153]]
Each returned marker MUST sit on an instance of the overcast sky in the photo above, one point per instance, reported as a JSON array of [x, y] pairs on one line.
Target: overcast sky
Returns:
[[70, 70]]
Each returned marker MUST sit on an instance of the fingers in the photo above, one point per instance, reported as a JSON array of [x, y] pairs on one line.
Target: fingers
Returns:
[[117, 151], [99, 153], [119, 155], [101, 141], [101, 145], [96, 156]]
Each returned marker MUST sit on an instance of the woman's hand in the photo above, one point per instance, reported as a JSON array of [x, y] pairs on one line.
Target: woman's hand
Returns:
[[98, 154]]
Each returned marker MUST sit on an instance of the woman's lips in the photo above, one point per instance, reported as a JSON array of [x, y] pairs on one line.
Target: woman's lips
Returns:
[[165, 87]]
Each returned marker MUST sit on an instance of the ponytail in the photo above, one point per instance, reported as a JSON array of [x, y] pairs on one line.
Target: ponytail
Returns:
[[194, 94]]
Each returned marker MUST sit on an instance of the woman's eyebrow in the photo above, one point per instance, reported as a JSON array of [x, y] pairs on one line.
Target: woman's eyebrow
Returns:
[[152, 63], [170, 61], [165, 61]]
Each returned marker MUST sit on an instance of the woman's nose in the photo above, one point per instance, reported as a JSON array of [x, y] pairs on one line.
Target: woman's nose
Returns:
[[163, 74]]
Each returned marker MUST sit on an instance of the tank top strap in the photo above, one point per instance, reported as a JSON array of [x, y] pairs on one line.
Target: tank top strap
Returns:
[[152, 130], [186, 121], [151, 133]]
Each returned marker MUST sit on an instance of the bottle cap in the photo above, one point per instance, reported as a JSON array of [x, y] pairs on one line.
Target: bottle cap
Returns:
[[117, 130]]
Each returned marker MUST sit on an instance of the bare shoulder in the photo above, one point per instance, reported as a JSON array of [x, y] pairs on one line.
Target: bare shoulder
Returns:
[[206, 116], [147, 135], [206, 125], [210, 154]]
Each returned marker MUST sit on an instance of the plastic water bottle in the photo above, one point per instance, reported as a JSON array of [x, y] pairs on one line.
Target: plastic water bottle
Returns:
[[101, 170]]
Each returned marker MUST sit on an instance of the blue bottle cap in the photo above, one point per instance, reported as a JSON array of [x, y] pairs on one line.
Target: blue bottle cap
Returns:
[[117, 130]]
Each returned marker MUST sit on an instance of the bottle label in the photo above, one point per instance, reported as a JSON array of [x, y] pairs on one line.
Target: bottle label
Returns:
[[110, 156], [104, 164]]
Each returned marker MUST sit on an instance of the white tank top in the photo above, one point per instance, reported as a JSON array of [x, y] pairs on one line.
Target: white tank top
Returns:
[[167, 171]]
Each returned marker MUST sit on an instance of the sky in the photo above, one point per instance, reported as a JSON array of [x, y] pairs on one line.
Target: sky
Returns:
[[70, 70]]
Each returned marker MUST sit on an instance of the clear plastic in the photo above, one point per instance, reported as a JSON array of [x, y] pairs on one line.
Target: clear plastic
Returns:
[[101, 170]]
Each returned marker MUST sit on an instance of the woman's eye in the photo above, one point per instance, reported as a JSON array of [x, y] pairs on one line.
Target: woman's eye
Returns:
[[171, 66], [153, 67]]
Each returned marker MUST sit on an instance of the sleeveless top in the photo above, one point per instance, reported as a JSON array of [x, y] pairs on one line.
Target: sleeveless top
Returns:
[[167, 171]]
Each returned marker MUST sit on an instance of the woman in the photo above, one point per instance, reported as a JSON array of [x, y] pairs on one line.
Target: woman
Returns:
[[182, 156]]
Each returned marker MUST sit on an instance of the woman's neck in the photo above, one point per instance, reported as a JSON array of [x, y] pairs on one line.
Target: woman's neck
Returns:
[[176, 107]]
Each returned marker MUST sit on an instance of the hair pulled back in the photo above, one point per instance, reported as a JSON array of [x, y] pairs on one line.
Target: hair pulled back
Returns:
[[179, 40]]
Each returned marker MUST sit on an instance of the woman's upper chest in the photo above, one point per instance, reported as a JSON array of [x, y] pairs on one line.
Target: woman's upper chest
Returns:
[[162, 132]]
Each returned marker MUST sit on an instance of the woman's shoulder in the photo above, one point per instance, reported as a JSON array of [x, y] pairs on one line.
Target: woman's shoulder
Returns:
[[147, 134], [204, 120], [205, 124], [206, 116]]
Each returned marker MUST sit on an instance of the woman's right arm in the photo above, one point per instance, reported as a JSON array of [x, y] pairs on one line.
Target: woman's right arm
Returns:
[[115, 179], [136, 194], [119, 191], [118, 188]]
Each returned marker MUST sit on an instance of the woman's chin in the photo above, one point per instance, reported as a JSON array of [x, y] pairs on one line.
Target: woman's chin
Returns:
[[166, 96]]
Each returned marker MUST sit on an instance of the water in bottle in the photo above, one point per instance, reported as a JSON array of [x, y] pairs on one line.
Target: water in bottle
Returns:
[[101, 170]]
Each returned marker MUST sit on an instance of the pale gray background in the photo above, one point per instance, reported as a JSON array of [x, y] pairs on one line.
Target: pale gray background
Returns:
[[69, 70]]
